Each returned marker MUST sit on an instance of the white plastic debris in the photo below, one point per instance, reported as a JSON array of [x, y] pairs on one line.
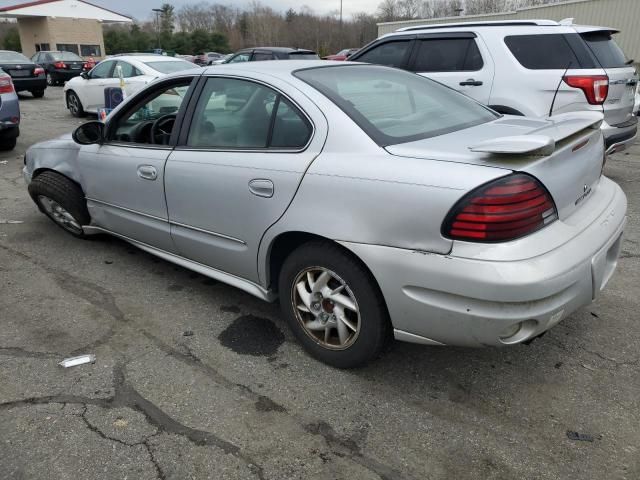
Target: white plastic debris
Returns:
[[4, 162], [79, 360], [10, 222]]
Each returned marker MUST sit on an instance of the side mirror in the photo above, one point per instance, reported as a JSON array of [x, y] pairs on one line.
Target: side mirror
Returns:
[[84, 75], [89, 133]]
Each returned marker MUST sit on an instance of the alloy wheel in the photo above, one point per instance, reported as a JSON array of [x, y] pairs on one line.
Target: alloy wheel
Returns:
[[74, 104], [326, 308], [59, 214]]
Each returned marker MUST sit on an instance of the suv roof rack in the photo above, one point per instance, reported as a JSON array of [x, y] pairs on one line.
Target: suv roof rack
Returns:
[[510, 23]]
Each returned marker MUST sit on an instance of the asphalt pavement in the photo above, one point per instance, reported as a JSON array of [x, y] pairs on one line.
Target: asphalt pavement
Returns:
[[195, 379]]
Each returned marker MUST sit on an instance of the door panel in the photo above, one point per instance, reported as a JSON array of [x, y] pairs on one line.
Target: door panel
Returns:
[[122, 194], [221, 201]]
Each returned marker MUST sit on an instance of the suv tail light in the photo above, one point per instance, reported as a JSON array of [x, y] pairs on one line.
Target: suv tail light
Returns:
[[502, 210], [60, 65], [38, 71], [6, 85], [595, 87]]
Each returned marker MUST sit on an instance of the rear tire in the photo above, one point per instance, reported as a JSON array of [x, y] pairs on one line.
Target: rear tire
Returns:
[[8, 144], [37, 93], [344, 321], [75, 105], [62, 201]]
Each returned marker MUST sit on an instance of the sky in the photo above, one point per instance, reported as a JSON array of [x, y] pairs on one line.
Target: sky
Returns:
[[141, 9]]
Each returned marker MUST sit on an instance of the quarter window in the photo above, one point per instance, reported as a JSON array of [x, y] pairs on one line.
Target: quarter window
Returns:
[[392, 54], [543, 52], [234, 113], [448, 55]]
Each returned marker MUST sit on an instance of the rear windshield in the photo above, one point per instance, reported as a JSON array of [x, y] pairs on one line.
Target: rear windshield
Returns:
[[394, 106], [605, 49], [68, 56], [13, 57], [303, 56], [170, 66]]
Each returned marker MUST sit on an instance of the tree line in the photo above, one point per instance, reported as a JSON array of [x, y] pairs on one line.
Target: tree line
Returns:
[[206, 26]]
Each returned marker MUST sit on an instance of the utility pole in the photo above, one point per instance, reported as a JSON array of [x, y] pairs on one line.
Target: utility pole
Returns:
[[341, 14], [158, 12]]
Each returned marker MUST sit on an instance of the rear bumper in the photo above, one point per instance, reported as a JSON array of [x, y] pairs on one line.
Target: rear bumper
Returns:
[[448, 300], [64, 74], [9, 114], [618, 137], [36, 83]]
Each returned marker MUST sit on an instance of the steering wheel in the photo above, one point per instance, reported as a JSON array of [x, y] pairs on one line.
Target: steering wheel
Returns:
[[161, 129]]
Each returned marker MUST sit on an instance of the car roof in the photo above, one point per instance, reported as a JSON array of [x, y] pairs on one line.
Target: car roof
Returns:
[[144, 58], [276, 49], [278, 68]]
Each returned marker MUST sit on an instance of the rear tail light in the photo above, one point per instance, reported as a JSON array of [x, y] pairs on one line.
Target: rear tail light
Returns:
[[38, 71], [6, 85], [595, 87], [60, 65], [502, 210]]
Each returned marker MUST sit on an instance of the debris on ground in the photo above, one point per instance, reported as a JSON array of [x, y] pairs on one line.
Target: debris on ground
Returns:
[[4, 162], [79, 360], [187, 333], [10, 222], [581, 437]]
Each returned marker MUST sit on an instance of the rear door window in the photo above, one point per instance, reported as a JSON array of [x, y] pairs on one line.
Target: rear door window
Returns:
[[605, 49], [543, 52], [393, 54], [448, 55], [259, 56]]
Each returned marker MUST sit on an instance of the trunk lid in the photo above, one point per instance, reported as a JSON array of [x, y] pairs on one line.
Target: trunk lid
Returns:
[[568, 160], [618, 107]]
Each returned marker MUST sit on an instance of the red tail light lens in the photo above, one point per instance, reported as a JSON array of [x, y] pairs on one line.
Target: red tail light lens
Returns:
[[38, 71], [60, 65], [6, 85], [505, 209], [595, 87]]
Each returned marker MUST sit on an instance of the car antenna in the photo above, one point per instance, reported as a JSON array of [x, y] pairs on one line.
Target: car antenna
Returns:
[[558, 88]]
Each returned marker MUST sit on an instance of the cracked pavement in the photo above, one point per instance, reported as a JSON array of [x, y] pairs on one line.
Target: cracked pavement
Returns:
[[195, 379]]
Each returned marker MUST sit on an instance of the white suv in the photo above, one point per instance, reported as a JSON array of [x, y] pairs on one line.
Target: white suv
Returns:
[[516, 67]]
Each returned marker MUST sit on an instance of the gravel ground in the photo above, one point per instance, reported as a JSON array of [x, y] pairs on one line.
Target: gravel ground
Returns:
[[196, 379]]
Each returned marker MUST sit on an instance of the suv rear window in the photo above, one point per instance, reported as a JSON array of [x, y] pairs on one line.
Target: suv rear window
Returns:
[[554, 51], [606, 50]]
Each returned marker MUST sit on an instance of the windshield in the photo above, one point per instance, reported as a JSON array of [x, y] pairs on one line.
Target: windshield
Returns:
[[68, 56], [170, 66], [606, 50], [393, 106], [13, 57]]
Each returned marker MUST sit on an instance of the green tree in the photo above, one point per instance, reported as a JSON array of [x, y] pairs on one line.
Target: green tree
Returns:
[[200, 41], [219, 43], [12, 40], [167, 24], [141, 41]]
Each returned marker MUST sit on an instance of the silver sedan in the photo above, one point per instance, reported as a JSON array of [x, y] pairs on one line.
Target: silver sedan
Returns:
[[374, 203]]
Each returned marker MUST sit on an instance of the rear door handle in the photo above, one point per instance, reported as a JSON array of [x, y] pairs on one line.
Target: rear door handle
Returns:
[[147, 172], [471, 83], [261, 187]]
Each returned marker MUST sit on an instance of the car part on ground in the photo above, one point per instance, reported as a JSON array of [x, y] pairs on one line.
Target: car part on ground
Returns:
[[364, 197]]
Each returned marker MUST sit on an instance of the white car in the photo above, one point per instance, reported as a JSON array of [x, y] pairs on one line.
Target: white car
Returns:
[[86, 93]]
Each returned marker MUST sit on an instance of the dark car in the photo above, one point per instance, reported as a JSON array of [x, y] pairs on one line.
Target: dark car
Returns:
[[272, 53], [26, 75], [59, 66]]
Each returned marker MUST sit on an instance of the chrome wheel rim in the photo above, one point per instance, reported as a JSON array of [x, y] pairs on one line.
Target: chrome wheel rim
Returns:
[[49, 79], [326, 308], [73, 104], [59, 214]]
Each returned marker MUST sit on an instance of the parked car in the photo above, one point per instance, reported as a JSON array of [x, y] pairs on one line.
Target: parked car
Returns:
[[271, 53], [59, 66], [373, 202], [516, 67], [222, 59], [26, 75], [342, 54], [86, 92], [9, 113], [207, 58]]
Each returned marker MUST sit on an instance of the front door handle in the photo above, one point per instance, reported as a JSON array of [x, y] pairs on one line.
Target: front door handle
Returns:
[[471, 83], [261, 187], [147, 172]]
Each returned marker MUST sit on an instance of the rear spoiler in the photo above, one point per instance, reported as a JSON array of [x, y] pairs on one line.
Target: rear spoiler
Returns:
[[542, 141]]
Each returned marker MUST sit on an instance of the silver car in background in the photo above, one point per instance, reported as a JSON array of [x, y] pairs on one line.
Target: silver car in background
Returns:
[[371, 201], [9, 113]]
